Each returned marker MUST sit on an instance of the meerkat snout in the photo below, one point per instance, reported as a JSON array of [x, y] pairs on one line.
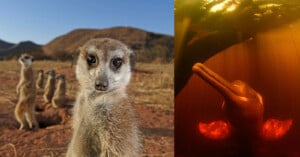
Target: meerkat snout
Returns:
[[104, 67], [101, 84], [51, 73], [26, 60], [60, 77]]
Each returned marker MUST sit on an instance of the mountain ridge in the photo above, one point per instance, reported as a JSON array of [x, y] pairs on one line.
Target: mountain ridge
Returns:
[[148, 46]]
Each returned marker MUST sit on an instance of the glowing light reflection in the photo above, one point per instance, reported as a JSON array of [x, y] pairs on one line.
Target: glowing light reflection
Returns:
[[227, 5], [216, 130], [207, 1], [270, 5], [231, 8], [217, 7], [274, 129]]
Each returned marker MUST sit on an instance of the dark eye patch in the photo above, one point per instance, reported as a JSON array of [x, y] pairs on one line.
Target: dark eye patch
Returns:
[[26, 57], [91, 59], [60, 77], [116, 63]]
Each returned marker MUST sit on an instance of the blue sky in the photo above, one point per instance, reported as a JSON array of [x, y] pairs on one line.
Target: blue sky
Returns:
[[43, 20]]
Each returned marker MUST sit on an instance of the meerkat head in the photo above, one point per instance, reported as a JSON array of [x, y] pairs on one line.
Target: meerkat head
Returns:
[[51, 73], [60, 77], [26, 60], [41, 71], [103, 65]]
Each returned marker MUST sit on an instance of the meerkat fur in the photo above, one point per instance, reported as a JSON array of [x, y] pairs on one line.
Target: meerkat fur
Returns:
[[50, 86], [104, 122], [40, 79], [60, 91], [26, 91]]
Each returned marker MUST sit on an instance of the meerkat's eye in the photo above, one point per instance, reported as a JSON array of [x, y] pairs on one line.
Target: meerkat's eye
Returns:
[[91, 59], [26, 57], [116, 63]]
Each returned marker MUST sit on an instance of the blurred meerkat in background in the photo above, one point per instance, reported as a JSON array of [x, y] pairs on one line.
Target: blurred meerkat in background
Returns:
[[104, 122], [40, 79], [60, 92], [26, 90], [50, 86]]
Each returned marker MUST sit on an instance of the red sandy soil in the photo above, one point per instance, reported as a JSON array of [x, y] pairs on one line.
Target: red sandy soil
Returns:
[[51, 140]]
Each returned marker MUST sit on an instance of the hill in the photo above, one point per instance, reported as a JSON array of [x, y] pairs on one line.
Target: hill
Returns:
[[5, 45], [147, 46], [9, 50]]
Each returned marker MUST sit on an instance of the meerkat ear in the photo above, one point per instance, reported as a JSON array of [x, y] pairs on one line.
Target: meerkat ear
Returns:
[[75, 56], [132, 58], [18, 56]]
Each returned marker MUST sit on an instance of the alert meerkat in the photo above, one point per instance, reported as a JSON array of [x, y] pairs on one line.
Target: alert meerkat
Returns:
[[50, 86], [104, 122], [25, 108], [40, 79], [60, 92]]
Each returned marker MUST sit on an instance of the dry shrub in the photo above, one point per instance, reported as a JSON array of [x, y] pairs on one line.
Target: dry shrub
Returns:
[[153, 84]]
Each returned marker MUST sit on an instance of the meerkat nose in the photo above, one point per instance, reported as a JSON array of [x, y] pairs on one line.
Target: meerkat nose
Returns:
[[101, 85]]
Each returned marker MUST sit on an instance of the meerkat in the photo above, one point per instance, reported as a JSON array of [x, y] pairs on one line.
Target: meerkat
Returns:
[[26, 90], [60, 92], [40, 79], [104, 122], [50, 86]]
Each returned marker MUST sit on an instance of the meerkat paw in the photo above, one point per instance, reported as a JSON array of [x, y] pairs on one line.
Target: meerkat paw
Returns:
[[54, 105], [35, 127], [48, 106], [21, 127]]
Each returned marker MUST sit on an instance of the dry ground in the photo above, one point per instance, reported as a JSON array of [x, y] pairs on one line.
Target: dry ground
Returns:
[[151, 91]]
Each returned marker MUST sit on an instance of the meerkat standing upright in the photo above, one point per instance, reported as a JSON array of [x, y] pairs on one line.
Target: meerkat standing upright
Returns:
[[40, 79], [104, 122], [60, 92], [50, 86], [26, 91]]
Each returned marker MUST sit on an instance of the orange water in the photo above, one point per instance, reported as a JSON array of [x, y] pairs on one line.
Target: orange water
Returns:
[[264, 53]]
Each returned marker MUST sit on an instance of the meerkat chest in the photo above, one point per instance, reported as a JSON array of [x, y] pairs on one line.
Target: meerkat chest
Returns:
[[26, 85], [51, 81], [99, 112]]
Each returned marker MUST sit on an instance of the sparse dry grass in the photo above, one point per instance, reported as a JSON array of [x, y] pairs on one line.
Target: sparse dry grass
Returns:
[[10, 73], [152, 87], [155, 87]]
